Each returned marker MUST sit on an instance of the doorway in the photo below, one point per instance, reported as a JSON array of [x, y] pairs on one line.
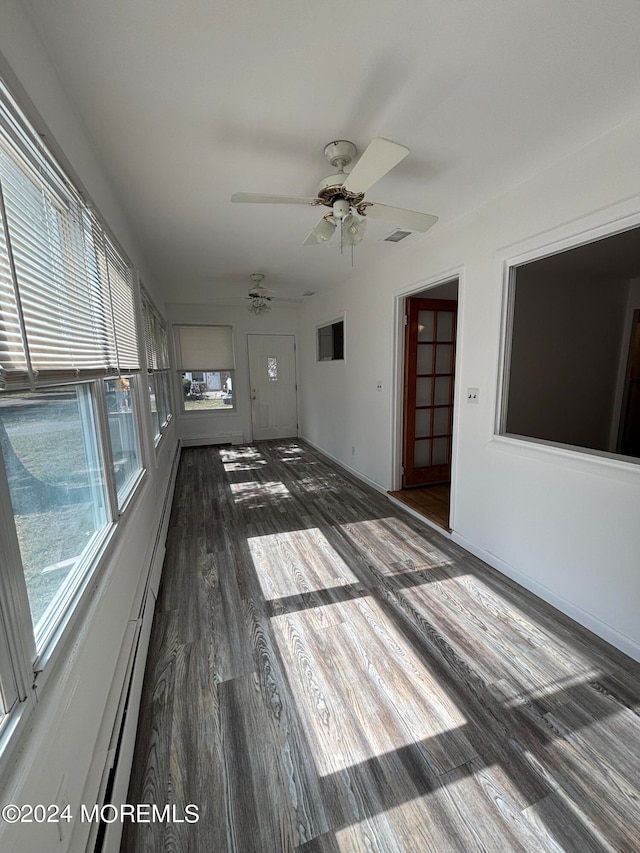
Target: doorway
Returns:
[[272, 377], [428, 400]]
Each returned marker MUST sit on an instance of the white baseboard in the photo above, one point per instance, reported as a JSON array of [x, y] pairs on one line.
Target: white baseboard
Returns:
[[346, 467], [205, 440], [583, 617]]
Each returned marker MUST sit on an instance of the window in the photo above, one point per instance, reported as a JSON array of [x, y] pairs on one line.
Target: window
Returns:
[[331, 342], [69, 444], [157, 350], [123, 434], [206, 367], [574, 355], [52, 460]]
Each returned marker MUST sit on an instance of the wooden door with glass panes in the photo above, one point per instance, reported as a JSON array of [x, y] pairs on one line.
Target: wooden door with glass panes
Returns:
[[430, 346]]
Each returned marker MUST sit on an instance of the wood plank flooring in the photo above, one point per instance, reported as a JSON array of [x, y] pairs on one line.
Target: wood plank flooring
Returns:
[[430, 501], [328, 674]]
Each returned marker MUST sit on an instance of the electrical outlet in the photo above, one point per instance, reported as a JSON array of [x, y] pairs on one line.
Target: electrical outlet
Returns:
[[473, 395], [379, 385]]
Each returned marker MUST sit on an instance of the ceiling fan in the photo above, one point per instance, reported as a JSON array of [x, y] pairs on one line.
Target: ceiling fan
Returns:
[[258, 295], [344, 193]]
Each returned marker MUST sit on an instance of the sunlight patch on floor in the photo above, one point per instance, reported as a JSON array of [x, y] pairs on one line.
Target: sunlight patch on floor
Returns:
[[391, 542], [238, 454], [297, 562], [254, 495], [246, 465]]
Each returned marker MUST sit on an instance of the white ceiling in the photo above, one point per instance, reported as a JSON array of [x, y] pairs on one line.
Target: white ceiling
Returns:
[[188, 102]]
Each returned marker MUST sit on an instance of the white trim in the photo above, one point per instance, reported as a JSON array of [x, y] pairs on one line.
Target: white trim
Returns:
[[397, 395], [605, 222], [204, 440], [340, 318], [583, 458], [583, 617]]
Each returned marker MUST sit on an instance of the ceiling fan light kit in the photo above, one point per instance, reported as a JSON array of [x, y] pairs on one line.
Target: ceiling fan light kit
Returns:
[[344, 194]]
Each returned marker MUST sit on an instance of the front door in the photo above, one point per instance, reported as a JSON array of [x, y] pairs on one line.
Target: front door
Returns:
[[272, 374], [429, 380]]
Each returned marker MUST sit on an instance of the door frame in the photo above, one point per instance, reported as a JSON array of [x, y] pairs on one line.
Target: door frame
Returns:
[[397, 399], [295, 367]]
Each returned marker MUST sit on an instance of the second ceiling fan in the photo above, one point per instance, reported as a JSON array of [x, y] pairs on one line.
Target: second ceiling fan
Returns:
[[344, 193]]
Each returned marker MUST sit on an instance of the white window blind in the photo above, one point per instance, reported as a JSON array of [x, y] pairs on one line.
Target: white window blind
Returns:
[[208, 348], [155, 335], [67, 308]]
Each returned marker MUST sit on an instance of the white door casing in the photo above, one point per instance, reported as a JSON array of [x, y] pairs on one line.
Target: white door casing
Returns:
[[272, 376]]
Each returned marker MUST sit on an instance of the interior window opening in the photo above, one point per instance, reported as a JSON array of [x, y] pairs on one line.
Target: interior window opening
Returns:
[[573, 363]]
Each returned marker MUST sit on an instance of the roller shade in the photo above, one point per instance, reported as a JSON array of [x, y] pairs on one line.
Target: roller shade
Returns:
[[67, 308], [207, 348]]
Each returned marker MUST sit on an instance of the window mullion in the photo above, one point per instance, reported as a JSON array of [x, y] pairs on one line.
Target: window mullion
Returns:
[[105, 448], [19, 651]]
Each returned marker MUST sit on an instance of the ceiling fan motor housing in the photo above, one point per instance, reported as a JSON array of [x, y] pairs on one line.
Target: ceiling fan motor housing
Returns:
[[340, 153]]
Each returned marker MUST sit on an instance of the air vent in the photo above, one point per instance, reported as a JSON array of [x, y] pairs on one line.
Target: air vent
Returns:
[[396, 236], [310, 293]]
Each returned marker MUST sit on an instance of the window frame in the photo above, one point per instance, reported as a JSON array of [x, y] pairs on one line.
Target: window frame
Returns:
[[531, 252], [223, 411], [155, 346], [329, 324]]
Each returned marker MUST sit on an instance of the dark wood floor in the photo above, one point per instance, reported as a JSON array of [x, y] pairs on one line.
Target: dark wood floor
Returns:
[[326, 673], [430, 501]]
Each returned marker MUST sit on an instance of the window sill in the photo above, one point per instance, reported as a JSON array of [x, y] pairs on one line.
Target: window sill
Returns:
[[580, 457]]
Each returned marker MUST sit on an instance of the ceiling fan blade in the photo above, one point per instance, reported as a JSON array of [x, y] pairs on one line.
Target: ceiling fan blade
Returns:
[[258, 198], [322, 233], [262, 291], [379, 158], [401, 217]]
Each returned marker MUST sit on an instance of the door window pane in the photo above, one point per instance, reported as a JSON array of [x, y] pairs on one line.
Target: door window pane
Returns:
[[422, 451], [423, 423], [441, 421], [440, 451], [425, 358], [444, 353], [445, 326], [272, 368], [423, 391], [123, 433], [425, 325], [442, 389], [50, 449]]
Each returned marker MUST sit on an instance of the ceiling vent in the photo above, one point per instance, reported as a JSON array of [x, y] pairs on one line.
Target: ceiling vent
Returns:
[[396, 236]]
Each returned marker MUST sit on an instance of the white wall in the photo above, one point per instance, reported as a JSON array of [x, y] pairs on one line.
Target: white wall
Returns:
[[69, 730], [562, 523], [215, 427]]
